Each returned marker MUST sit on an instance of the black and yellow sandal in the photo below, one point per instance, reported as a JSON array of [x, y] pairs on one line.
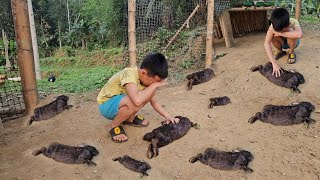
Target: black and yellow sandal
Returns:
[[291, 58], [137, 122], [279, 54], [117, 131]]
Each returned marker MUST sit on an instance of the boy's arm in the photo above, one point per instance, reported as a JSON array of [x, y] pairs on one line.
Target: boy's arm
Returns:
[[139, 97], [267, 45], [162, 112], [295, 33]]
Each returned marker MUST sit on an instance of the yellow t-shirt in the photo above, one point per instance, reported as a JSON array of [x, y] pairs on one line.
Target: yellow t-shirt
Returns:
[[293, 23], [115, 84]]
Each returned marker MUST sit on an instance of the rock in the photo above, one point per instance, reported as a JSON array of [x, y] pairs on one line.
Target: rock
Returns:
[[95, 171]]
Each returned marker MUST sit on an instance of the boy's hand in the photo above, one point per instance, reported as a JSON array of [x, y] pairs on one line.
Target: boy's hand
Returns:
[[161, 83], [276, 70], [275, 33], [171, 120]]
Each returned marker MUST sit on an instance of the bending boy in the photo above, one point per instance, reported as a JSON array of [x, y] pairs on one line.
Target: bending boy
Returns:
[[129, 90], [284, 33]]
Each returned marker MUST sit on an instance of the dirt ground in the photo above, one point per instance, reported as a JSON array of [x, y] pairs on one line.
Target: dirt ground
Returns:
[[291, 152]]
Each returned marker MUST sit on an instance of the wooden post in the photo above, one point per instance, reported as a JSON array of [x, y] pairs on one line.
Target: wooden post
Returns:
[[226, 28], [209, 40], [25, 53], [298, 9], [132, 32], [34, 41]]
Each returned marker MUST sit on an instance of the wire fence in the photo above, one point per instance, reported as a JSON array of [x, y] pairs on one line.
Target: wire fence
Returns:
[[11, 99], [157, 21]]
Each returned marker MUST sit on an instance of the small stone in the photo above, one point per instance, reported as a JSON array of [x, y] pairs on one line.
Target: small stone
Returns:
[[209, 116], [222, 140], [317, 66], [315, 136], [291, 162], [95, 171]]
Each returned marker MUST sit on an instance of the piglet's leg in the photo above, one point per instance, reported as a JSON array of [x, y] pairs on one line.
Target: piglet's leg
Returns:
[[247, 169], [310, 121], [295, 89], [69, 107], [90, 163], [155, 148], [150, 152], [196, 158], [40, 151], [255, 118]]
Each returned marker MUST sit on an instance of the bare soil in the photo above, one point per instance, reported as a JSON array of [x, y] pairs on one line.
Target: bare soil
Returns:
[[291, 152]]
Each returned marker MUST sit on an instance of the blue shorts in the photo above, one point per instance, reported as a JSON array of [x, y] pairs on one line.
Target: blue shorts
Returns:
[[286, 45], [110, 108]]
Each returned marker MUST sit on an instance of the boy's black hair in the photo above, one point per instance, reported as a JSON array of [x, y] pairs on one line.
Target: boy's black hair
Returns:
[[155, 64], [279, 19]]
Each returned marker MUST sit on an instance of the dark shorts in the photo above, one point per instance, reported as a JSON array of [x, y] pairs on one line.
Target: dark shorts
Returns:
[[286, 45]]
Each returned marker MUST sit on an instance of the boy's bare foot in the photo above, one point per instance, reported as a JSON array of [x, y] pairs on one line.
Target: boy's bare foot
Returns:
[[117, 134]]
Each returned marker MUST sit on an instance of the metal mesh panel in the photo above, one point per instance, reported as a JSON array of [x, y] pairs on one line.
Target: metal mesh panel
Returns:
[[11, 98]]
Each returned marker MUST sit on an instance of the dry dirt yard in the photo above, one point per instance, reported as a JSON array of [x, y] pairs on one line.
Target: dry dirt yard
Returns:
[[291, 152]]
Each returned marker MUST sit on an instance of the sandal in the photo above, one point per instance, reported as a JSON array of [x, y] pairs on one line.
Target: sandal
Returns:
[[137, 122], [291, 58], [117, 131], [279, 54]]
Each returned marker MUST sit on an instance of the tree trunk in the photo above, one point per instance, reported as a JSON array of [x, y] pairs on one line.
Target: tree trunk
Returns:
[[34, 41], [59, 31], [68, 16], [6, 49]]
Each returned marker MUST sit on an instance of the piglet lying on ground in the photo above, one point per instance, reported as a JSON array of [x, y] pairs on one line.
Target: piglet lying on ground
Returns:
[[219, 101], [288, 79], [81, 154], [167, 133], [50, 110], [134, 165], [285, 115], [225, 160], [199, 77]]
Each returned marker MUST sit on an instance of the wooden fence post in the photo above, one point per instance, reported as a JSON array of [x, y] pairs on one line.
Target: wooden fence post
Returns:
[[209, 40], [226, 27], [25, 53]]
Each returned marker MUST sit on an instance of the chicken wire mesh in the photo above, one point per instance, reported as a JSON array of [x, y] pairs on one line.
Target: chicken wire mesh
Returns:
[[11, 99], [157, 21]]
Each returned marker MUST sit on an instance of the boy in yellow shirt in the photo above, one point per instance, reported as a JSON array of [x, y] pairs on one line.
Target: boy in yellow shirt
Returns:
[[284, 33], [129, 90]]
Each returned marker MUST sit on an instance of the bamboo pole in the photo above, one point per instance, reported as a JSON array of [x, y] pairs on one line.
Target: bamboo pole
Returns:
[[298, 9], [183, 25], [209, 40], [25, 53], [132, 32]]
